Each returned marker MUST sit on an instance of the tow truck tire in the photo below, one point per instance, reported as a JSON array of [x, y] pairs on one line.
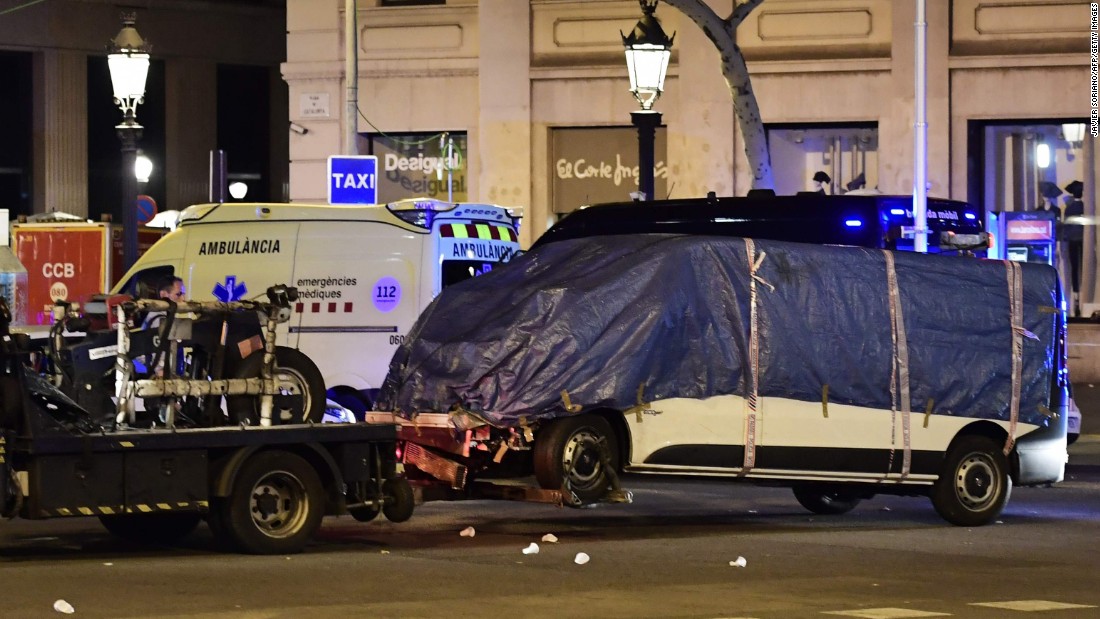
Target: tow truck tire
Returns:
[[155, 528], [297, 374], [400, 500], [824, 499], [364, 514], [275, 506], [974, 485], [567, 457]]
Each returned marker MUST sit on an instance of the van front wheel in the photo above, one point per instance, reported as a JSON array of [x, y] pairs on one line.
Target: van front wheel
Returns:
[[974, 485], [567, 457]]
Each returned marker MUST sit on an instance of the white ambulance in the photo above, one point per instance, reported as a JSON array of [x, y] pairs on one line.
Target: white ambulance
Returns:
[[363, 272]]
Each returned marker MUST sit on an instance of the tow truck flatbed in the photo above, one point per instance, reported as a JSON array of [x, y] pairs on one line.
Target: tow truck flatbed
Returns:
[[262, 472]]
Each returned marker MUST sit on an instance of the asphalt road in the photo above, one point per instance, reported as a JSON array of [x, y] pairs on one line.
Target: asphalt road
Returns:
[[667, 555]]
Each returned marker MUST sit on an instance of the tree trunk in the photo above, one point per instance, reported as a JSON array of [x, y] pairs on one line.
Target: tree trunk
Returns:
[[723, 33]]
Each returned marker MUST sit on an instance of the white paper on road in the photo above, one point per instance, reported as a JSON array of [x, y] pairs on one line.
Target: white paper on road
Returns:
[[550, 538], [581, 558], [740, 562], [468, 532], [533, 549], [62, 606]]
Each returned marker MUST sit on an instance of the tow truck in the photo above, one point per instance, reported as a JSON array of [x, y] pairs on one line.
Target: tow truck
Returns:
[[262, 470]]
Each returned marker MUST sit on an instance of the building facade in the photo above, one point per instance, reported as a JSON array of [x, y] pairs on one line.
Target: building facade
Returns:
[[535, 95], [213, 84]]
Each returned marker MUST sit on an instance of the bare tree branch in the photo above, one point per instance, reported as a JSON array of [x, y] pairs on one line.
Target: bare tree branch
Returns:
[[741, 11]]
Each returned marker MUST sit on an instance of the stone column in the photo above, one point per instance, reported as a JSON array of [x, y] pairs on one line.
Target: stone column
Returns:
[[60, 135], [896, 126], [191, 130], [502, 159]]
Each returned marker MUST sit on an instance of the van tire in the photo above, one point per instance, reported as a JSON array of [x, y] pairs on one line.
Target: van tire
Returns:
[[825, 499], [275, 506], [300, 376], [974, 485], [567, 457]]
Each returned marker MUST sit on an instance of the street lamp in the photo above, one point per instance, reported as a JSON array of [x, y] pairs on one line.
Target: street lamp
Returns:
[[128, 62], [647, 52]]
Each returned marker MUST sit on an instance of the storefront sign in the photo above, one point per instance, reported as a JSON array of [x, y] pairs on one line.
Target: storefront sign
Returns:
[[600, 164], [1029, 230], [420, 165]]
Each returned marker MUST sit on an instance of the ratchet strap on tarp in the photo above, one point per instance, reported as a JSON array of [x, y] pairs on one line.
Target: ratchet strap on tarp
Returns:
[[1016, 311], [640, 407], [752, 392], [570, 407], [899, 371]]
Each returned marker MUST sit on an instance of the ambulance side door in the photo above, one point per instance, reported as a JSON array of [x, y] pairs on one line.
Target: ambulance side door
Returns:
[[358, 297]]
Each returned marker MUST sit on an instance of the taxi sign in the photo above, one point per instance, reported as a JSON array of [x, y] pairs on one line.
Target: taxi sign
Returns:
[[353, 179]]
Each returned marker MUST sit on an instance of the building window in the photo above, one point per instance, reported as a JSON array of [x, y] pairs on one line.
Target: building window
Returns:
[[847, 154], [1028, 168], [590, 165], [419, 165]]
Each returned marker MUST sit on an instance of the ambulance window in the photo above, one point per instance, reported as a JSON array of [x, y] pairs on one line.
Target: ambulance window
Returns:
[[455, 271], [144, 283]]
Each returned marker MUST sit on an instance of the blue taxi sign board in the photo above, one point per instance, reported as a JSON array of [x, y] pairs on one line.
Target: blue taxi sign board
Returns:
[[352, 180]]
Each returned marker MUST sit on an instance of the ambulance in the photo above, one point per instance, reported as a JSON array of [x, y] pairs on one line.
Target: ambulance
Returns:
[[363, 272]]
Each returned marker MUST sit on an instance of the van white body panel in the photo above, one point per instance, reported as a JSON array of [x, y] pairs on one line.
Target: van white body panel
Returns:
[[669, 437]]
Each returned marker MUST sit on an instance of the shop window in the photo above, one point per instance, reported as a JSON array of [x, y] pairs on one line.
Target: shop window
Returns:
[[419, 165], [845, 154], [1034, 171], [590, 165]]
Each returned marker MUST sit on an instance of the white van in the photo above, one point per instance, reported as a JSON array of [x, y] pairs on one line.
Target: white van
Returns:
[[363, 273]]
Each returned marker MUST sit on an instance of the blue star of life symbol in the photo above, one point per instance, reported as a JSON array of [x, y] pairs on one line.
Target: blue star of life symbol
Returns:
[[230, 290]]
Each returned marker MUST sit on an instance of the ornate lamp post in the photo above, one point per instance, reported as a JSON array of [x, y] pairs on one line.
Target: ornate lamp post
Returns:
[[647, 53], [129, 65]]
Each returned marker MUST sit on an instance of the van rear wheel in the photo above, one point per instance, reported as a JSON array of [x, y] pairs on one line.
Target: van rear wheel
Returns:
[[824, 499], [567, 457], [974, 485]]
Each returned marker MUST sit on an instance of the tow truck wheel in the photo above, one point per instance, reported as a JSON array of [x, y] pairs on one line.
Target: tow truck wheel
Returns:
[[364, 514], [824, 499], [301, 389], [275, 506], [399, 499], [567, 457], [974, 485], [155, 528]]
